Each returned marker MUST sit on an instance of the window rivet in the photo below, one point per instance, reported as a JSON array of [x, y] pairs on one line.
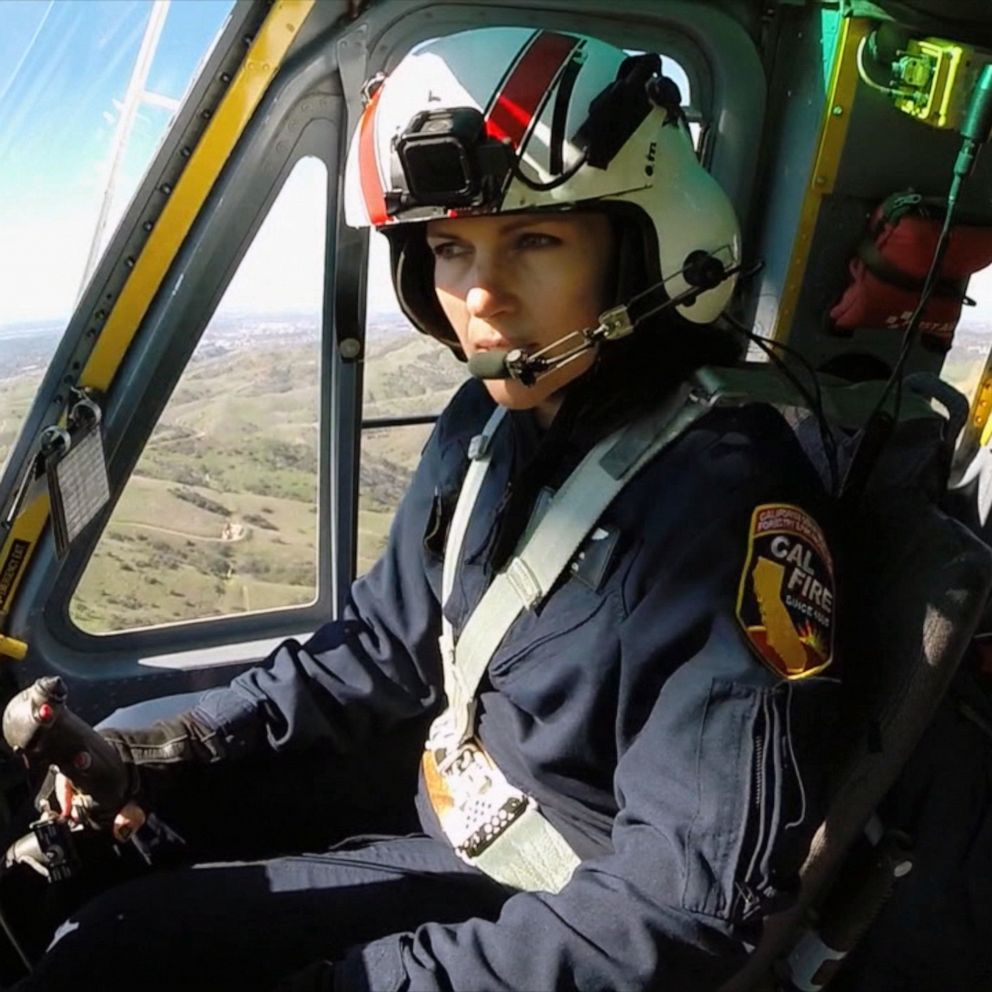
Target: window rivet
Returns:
[[350, 349]]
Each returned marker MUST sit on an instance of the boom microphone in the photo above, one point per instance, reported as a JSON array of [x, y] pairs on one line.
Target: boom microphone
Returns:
[[489, 364]]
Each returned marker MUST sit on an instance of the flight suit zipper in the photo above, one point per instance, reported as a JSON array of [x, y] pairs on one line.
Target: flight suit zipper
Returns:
[[759, 832]]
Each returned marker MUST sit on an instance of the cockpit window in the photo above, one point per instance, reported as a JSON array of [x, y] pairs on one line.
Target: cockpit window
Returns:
[[87, 90], [220, 514], [967, 358]]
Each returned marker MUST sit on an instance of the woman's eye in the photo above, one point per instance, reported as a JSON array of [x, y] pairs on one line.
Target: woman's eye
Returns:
[[534, 239], [448, 250]]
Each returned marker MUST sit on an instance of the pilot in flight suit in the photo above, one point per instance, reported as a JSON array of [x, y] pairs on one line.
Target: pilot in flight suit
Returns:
[[639, 768]]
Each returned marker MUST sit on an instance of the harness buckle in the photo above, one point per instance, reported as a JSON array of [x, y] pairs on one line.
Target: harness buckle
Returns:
[[474, 801], [489, 831]]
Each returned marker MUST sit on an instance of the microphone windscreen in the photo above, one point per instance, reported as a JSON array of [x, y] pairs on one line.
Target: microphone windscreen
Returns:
[[489, 364]]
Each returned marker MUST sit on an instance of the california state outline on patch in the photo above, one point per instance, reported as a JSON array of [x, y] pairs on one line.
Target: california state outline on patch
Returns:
[[785, 601]]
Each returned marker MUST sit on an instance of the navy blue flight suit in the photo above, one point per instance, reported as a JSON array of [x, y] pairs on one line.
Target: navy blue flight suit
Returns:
[[685, 772]]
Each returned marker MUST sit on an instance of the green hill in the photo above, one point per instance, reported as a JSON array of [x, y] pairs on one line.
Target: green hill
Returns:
[[220, 514]]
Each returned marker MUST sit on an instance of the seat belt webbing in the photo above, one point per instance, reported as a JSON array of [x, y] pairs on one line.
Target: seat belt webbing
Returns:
[[545, 553], [479, 454]]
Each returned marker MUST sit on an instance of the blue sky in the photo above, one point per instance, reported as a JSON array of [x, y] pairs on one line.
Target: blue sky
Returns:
[[63, 64], [51, 111]]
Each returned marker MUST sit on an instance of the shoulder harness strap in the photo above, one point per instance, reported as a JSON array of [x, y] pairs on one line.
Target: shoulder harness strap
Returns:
[[547, 549], [479, 453]]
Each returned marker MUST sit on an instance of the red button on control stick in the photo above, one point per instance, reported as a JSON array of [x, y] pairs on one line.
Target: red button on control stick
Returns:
[[45, 713]]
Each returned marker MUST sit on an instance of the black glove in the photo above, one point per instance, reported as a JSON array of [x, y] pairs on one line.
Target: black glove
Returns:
[[316, 977], [150, 757]]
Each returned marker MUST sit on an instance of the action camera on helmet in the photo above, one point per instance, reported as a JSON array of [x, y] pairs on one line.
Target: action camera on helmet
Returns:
[[448, 160]]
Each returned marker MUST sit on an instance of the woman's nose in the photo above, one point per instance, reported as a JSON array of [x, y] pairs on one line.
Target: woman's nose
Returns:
[[488, 294], [483, 302]]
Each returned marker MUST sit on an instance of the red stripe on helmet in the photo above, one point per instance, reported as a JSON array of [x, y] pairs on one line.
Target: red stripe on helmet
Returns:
[[368, 169], [524, 89]]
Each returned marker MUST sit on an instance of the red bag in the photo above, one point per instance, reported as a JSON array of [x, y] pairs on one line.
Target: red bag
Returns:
[[888, 271]]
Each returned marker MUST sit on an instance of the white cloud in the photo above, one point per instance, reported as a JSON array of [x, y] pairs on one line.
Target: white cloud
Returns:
[[283, 268], [42, 254]]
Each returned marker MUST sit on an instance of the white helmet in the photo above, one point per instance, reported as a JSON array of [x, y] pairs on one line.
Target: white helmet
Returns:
[[495, 120]]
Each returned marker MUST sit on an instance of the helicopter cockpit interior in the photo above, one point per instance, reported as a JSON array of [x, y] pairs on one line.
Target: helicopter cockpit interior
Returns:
[[211, 402]]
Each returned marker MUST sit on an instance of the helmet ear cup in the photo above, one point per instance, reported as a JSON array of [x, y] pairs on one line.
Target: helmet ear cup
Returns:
[[636, 259], [636, 264], [412, 267], [638, 268]]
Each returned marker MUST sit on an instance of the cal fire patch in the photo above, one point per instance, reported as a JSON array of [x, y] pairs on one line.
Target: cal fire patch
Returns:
[[786, 598]]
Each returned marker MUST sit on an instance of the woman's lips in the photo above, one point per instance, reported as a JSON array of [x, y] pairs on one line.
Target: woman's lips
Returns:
[[497, 346]]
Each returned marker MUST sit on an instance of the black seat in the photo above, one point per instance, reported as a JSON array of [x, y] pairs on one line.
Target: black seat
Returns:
[[915, 586]]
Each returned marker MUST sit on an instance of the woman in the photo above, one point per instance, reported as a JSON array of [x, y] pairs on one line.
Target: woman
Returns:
[[629, 780]]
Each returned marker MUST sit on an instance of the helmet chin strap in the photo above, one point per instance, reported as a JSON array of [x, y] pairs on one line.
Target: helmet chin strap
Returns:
[[702, 270]]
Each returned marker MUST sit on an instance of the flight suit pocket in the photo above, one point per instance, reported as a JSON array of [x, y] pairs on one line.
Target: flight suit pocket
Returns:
[[740, 856], [438, 523], [580, 630], [579, 621]]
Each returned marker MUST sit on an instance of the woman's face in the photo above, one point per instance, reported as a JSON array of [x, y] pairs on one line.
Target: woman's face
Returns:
[[523, 281]]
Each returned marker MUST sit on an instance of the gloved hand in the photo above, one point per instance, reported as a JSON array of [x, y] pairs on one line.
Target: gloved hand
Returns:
[[151, 755], [316, 977]]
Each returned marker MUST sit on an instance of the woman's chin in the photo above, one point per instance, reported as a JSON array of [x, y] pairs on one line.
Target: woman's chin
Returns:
[[514, 395]]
